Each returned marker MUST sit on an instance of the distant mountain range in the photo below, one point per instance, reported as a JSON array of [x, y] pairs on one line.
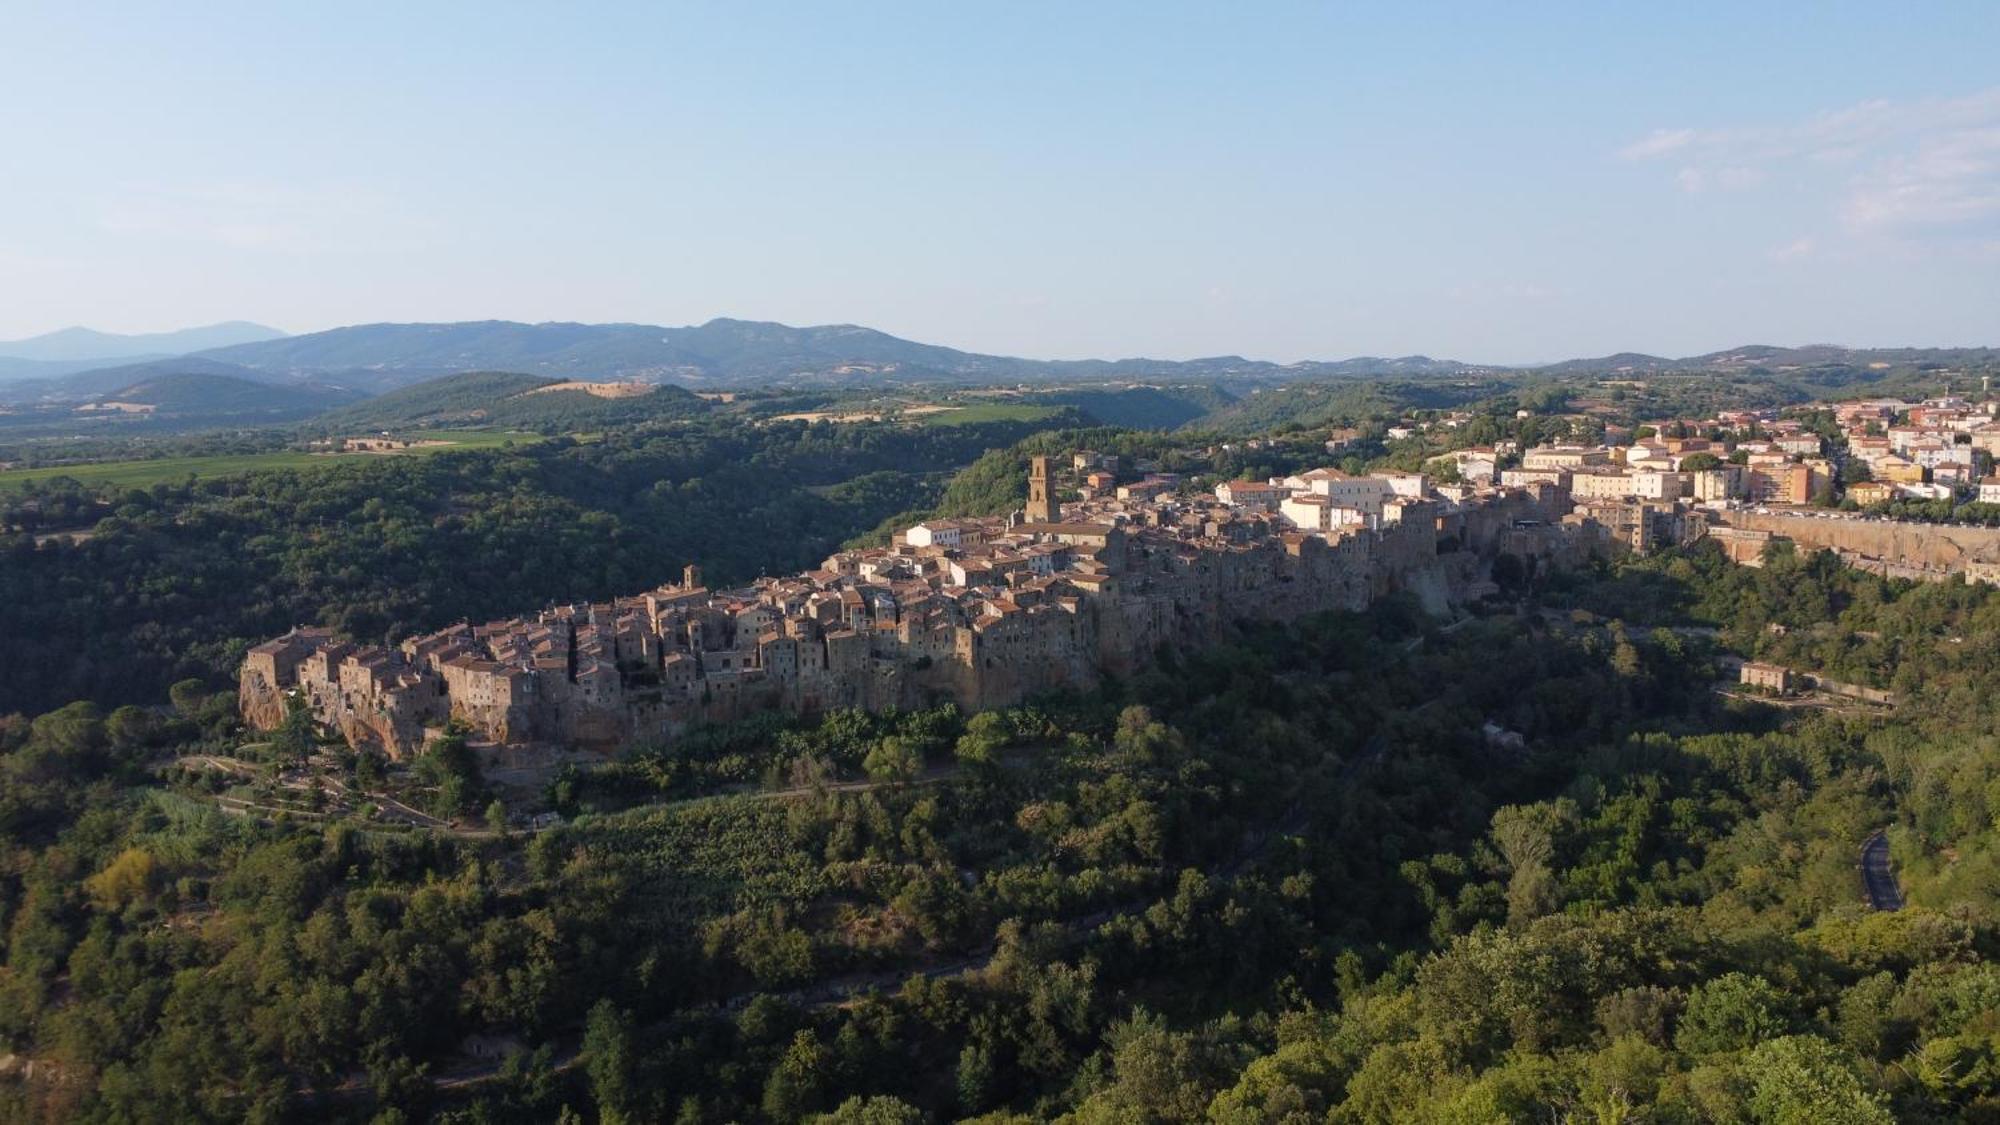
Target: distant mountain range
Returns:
[[733, 354], [79, 349], [1766, 357], [737, 353], [729, 353]]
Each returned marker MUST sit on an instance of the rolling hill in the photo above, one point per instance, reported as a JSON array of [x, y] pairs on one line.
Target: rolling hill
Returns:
[[221, 395], [178, 400], [498, 398], [87, 385]]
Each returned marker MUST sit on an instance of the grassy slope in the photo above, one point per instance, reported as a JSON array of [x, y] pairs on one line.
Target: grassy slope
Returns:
[[139, 474]]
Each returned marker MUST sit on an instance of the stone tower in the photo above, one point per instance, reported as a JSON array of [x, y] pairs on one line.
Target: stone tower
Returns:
[[690, 577], [1040, 510]]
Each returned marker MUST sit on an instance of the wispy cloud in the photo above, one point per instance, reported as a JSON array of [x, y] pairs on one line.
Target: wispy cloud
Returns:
[[1950, 183], [1658, 143], [1919, 172]]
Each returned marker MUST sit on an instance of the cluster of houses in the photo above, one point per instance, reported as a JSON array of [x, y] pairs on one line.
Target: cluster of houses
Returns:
[[1929, 450], [984, 612]]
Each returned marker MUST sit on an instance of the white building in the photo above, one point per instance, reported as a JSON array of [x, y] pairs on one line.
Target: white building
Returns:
[[1251, 493], [1564, 457], [1602, 484], [1722, 483], [1364, 494], [1410, 485], [1310, 511], [935, 533]]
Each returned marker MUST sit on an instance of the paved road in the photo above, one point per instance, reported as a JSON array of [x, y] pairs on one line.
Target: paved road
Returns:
[[1876, 876]]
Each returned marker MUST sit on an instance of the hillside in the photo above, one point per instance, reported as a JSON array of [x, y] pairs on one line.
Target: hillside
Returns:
[[1142, 408], [87, 385], [499, 398], [208, 394], [175, 401]]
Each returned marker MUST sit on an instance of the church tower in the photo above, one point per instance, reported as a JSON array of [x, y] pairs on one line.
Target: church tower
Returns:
[[1040, 510]]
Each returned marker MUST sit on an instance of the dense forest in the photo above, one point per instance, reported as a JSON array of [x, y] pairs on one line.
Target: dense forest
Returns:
[[1358, 869], [176, 580]]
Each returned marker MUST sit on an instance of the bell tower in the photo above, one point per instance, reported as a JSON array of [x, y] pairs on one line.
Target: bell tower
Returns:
[[1040, 510]]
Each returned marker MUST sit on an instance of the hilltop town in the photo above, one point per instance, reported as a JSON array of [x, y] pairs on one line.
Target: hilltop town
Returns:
[[984, 612], [988, 611]]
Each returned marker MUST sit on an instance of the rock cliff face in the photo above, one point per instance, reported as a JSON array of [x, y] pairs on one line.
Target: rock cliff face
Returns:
[[1917, 546], [1053, 606], [262, 701]]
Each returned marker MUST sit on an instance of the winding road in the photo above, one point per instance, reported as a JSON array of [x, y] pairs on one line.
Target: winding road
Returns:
[[1877, 878]]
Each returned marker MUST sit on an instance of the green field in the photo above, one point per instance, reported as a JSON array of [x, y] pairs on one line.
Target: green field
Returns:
[[140, 474], [986, 412]]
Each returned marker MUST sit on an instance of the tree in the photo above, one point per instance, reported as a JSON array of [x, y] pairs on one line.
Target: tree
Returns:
[[797, 1085], [974, 1077], [1805, 1080], [188, 696], [1731, 1013], [609, 1057], [128, 879], [893, 761], [449, 764], [132, 728], [985, 734], [298, 734], [878, 1110], [1525, 840]]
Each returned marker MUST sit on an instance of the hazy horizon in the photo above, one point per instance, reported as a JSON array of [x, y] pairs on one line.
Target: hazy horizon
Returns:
[[1289, 183], [1125, 355]]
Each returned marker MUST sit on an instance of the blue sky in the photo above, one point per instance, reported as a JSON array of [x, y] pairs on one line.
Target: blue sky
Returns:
[[1493, 182]]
